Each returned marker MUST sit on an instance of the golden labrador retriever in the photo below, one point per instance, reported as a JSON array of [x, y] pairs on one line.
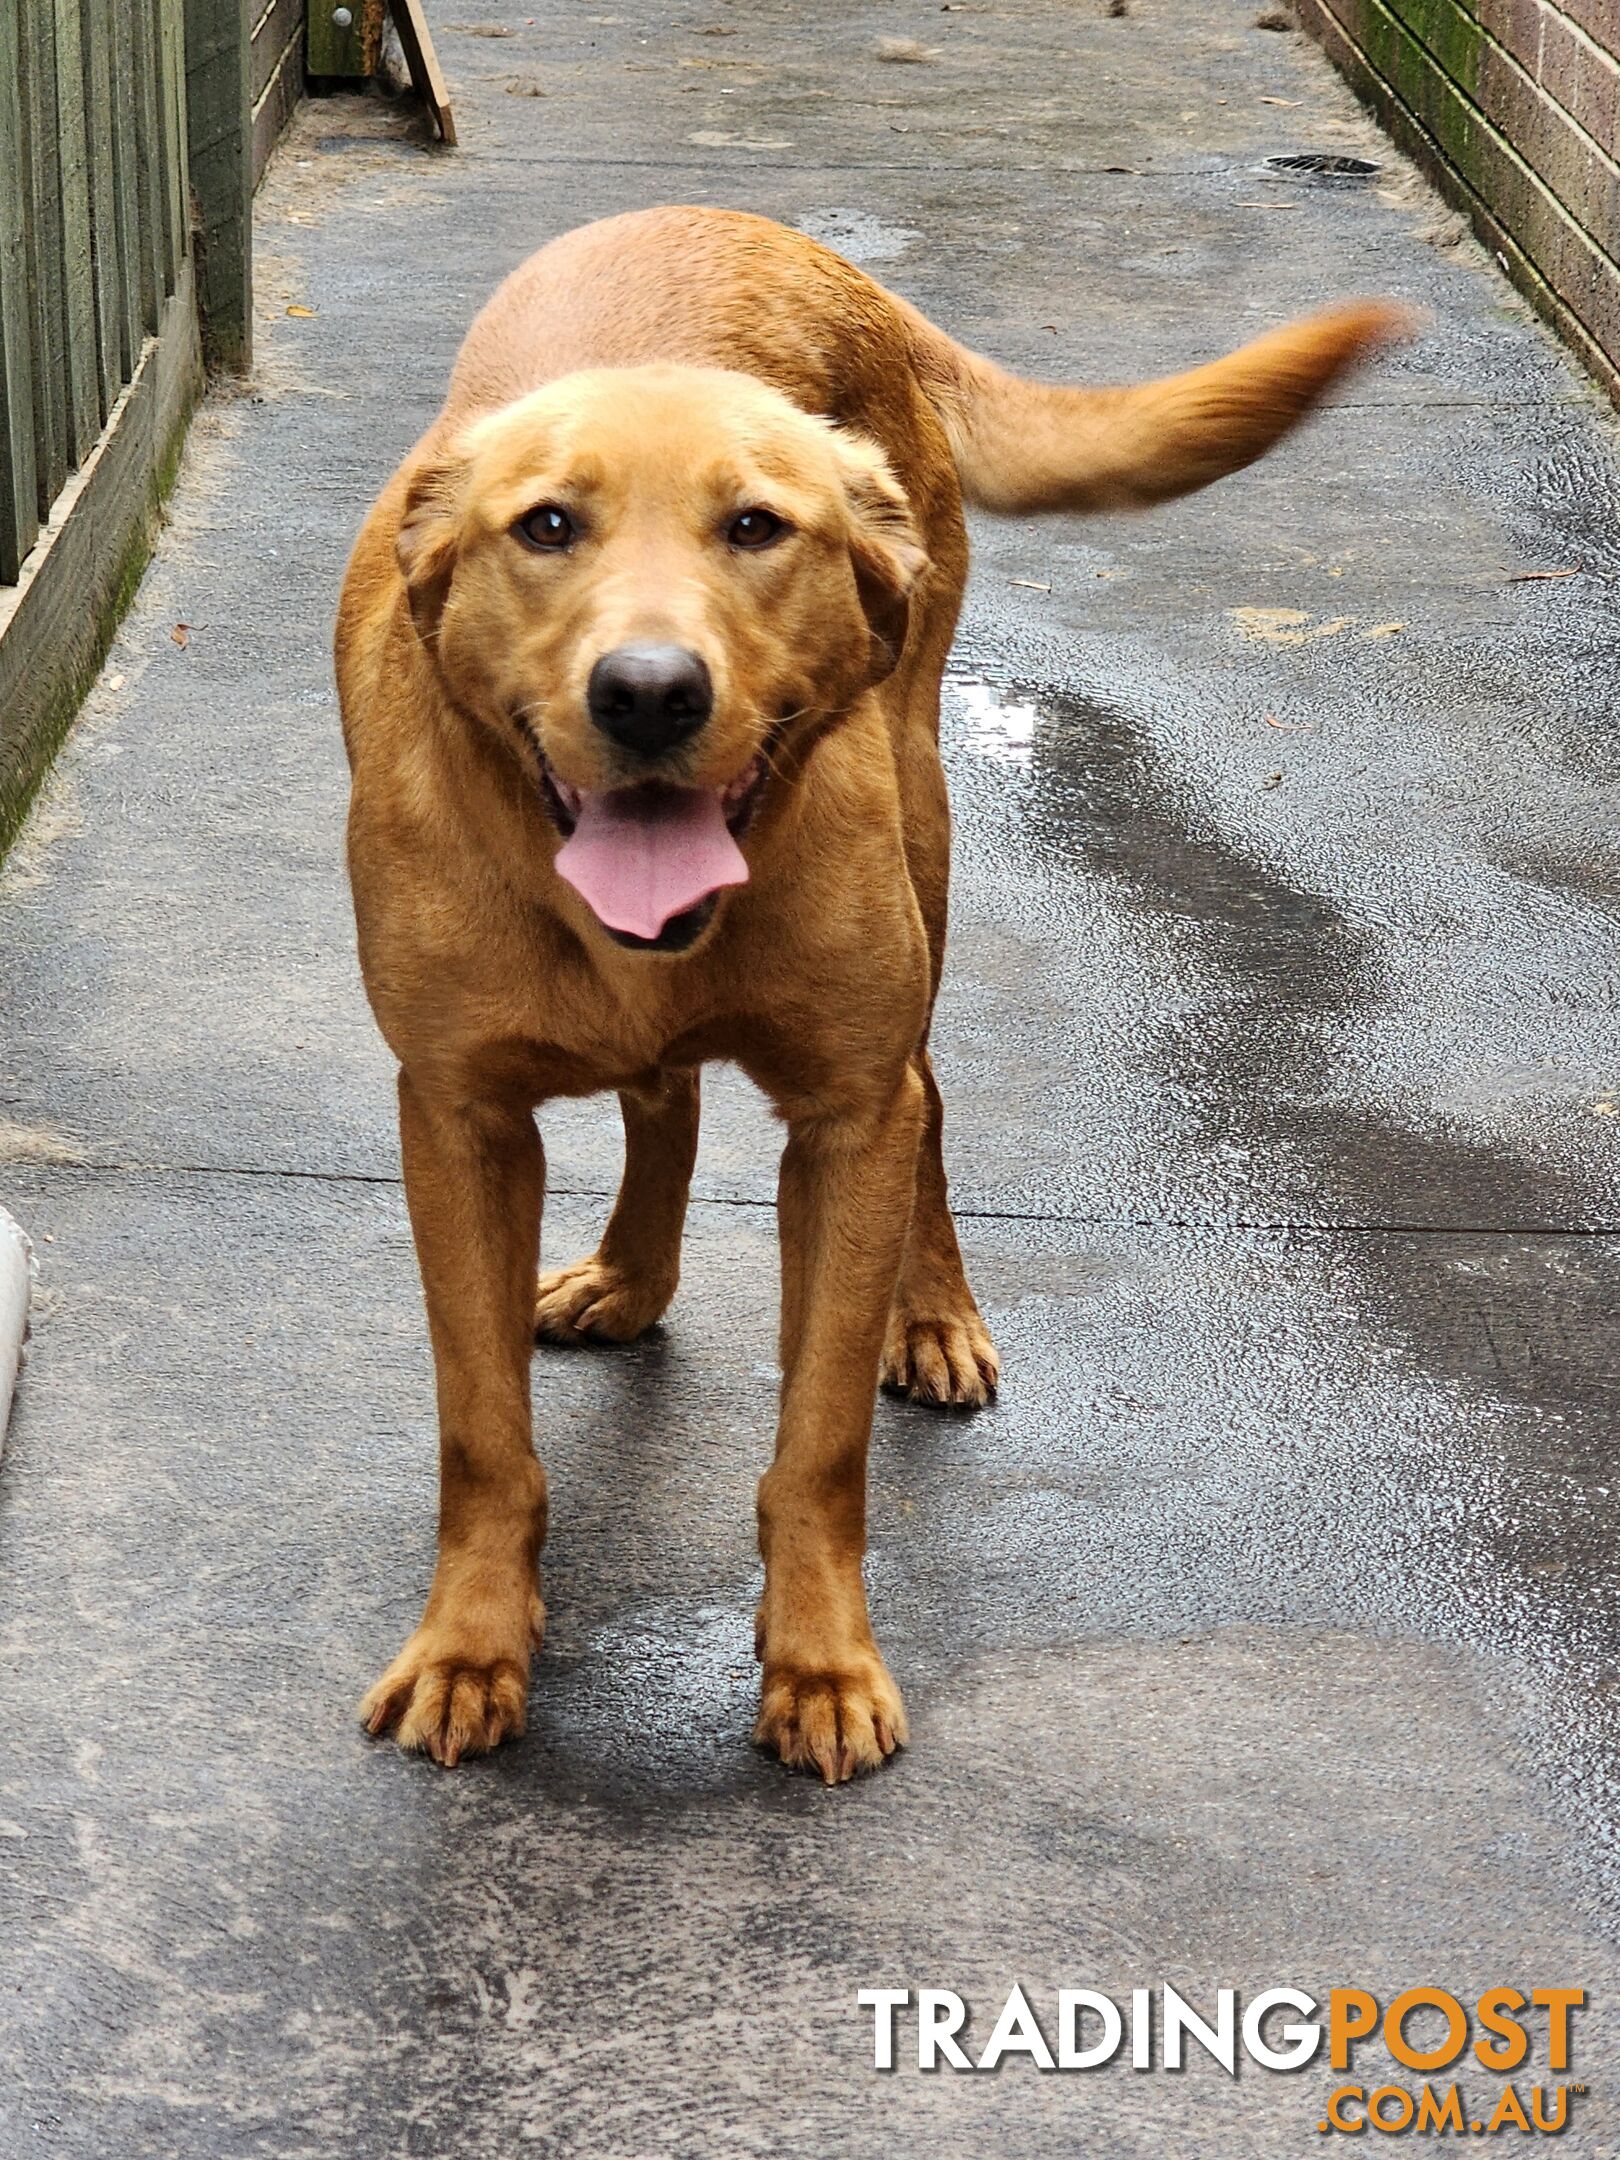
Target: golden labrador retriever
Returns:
[[640, 657]]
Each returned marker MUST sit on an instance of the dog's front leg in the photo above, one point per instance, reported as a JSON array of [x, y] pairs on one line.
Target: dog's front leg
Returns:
[[845, 1195], [474, 1181]]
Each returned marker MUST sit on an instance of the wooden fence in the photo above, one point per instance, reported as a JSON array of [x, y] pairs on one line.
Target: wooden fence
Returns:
[[93, 230], [131, 135]]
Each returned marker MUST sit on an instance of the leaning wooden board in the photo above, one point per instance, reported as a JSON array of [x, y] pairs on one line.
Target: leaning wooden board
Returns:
[[423, 62]]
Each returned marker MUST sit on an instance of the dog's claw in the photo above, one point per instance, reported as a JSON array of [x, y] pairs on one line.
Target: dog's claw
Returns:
[[450, 1694], [834, 1723]]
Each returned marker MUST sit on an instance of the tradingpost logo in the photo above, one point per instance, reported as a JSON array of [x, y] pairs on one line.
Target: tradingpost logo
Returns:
[[1449, 2065]]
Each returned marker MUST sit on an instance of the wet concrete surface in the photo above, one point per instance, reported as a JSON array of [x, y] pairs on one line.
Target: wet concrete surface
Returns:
[[1265, 1632]]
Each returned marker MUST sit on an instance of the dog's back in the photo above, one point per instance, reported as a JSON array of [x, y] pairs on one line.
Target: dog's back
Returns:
[[722, 288]]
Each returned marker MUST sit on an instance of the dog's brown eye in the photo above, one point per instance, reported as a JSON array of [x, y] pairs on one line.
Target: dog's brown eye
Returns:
[[547, 527], [756, 529]]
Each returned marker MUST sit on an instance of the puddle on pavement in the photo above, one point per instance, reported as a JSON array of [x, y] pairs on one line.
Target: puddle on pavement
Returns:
[[1250, 989], [998, 726]]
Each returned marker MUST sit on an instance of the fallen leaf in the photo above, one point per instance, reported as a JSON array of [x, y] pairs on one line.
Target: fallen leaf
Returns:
[[1285, 625], [1287, 727], [1290, 101], [1383, 630], [1603, 1109], [716, 139], [1263, 620], [181, 635], [1272, 780], [1029, 584], [295, 310], [1536, 577]]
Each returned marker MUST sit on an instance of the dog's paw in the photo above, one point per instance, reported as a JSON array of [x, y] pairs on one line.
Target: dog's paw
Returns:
[[593, 1301], [834, 1723], [949, 1362], [449, 1694]]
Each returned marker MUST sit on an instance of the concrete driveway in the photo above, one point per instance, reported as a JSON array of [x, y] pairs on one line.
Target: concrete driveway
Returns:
[[1265, 1632]]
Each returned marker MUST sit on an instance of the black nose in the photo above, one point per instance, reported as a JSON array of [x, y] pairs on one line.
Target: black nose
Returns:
[[650, 697]]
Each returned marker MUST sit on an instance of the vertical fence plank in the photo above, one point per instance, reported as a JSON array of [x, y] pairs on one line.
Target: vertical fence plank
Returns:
[[219, 135], [45, 251], [163, 208], [82, 393], [144, 43], [95, 43], [176, 174], [19, 493], [43, 225], [126, 190]]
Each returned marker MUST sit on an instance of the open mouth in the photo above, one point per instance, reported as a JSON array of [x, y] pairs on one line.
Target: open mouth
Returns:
[[650, 861]]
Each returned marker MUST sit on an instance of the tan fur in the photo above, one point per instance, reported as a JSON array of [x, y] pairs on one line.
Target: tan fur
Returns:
[[670, 369], [1023, 446]]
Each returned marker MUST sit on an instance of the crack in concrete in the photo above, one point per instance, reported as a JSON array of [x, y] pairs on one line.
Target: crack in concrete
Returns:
[[1057, 1217]]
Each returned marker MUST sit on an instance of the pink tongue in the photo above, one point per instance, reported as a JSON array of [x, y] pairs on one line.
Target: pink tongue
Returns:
[[640, 855]]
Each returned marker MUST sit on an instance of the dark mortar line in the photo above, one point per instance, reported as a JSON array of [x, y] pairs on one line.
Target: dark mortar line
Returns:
[[1194, 1225]]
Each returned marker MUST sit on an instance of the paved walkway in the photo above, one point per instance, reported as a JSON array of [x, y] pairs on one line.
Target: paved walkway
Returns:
[[1266, 1630]]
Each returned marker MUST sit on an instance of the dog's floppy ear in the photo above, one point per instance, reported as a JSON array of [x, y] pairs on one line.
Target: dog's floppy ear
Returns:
[[428, 535], [885, 547]]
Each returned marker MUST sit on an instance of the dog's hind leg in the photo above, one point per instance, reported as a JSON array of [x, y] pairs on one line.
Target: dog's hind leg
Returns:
[[627, 1283], [937, 1349]]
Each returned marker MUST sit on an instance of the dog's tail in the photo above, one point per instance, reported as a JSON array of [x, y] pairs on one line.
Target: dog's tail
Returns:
[[1025, 446]]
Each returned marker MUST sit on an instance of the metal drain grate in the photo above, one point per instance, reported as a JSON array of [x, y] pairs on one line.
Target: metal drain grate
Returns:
[[1325, 165]]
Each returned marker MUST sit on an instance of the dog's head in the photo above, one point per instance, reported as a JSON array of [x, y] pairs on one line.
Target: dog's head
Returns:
[[645, 580]]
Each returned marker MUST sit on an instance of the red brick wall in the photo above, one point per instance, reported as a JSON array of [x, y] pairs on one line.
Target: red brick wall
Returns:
[[1514, 107]]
